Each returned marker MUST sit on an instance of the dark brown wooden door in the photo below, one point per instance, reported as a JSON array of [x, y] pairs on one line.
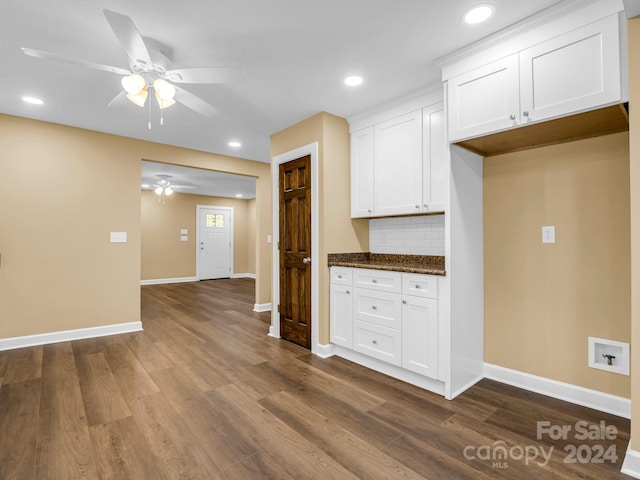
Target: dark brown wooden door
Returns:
[[295, 251]]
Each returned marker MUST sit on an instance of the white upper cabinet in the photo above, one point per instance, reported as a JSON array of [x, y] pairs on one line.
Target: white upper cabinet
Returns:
[[362, 170], [571, 72], [435, 167], [484, 100], [398, 165]]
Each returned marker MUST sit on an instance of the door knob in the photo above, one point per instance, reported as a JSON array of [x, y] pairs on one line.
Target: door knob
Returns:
[[306, 260]]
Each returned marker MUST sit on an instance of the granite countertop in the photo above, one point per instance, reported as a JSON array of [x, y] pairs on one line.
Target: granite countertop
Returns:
[[426, 264]]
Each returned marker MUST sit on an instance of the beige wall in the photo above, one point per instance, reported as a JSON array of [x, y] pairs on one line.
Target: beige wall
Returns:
[[164, 255], [63, 190], [543, 301], [337, 232], [634, 153]]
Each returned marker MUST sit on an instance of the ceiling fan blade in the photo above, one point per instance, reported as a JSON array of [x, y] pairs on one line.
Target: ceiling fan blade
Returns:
[[73, 61], [206, 75], [119, 97], [129, 37], [196, 104]]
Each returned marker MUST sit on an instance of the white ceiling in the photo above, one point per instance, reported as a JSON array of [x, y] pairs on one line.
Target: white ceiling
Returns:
[[196, 181], [295, 54]]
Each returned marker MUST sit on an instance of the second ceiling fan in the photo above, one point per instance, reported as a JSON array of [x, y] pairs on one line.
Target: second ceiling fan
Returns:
[[150, 70]]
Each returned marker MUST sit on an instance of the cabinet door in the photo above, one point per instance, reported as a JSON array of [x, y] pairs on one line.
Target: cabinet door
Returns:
[[362, 173], [420, 335], [398, 165], [484, 100], [340, 316], [577, 71], [435, 168]]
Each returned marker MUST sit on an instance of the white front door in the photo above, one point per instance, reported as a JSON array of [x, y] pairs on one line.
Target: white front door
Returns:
[[214, 243]]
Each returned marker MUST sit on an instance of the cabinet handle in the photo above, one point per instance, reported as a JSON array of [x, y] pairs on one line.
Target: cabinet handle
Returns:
[[404, 302], [512, 117], [373, 307], [417, 285], [525, 114], [374, 280], [375, 342]]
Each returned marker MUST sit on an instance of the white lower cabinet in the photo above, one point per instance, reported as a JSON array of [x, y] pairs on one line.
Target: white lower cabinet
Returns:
[[387, 316]]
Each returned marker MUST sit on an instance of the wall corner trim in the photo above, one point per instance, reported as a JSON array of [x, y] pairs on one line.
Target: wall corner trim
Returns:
[[631, 464], [161, 281], [604, 402], [324, 351], [69, 335], [273, 332], [262, 307]]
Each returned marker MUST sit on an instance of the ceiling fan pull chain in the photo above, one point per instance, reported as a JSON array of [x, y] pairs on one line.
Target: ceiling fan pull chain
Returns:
[[161, 117], [149, 115]]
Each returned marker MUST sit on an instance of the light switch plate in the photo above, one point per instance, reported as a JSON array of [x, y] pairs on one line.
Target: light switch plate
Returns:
[[549, 234], [118, 237], [184, 238], [269, 239], [184, 231]]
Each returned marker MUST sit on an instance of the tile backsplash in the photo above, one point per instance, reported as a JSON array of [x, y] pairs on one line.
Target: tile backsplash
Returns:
[[421, 235]]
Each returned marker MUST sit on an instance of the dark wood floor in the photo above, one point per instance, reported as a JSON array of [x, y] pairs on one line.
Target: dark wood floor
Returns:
[[204, 393]]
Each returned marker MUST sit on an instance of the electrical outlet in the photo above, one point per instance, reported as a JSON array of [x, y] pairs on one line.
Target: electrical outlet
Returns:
[[549, 234]]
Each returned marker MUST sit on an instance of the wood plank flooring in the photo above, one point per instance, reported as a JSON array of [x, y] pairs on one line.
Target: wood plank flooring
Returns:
[[204, 393]]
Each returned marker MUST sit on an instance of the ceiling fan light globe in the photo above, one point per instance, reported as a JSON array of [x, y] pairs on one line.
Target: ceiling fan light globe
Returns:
[[164, 103], [133, 84], [158, 191], [168, 191], [164, 89], [139, 99]]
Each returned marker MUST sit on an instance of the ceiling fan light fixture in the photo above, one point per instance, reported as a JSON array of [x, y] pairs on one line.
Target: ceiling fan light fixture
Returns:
[[158, 190], [168, 191], [164, 89], [133, 84], [164, 103], [139, 98]]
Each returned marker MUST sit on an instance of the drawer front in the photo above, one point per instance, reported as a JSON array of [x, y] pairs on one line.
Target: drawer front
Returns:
[[377, 279], [382, 308], [420, 285], [376, 341], [341, 275]]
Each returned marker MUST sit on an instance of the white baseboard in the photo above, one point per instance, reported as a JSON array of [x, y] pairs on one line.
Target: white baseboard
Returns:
[[244, 275], [261, 307], [273, 332], [631, 464], [324, 351], [69, 335], [563, 391], [161, 281]]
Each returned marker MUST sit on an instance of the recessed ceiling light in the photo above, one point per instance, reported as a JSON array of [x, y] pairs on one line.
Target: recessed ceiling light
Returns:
[[479, 14], [144, 185], [33, 100], [239, 195], [234, 144], [353, 81]]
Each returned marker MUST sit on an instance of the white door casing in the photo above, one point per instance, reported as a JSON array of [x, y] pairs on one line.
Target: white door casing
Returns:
[[214, 243]]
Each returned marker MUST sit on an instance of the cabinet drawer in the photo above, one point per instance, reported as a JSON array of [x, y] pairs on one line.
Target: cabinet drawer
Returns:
[[376, 341], [377, 279], [420, 285], [341, 275], [382, 308]]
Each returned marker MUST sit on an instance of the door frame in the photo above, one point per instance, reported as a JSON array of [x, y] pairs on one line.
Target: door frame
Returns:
[[274, 330], [199, 208]]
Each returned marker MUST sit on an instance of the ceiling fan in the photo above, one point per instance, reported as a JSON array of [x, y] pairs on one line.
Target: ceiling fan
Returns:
[[164, 188], [149, 70]]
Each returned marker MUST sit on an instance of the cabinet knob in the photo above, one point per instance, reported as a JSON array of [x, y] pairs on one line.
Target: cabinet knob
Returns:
[[404, 302], [373, 307], [374, 280], [417, 285], [348, 292], [426, 205], [512, 117], [375, 342], [417, 206], [369, 210], [525, 114], [339, 276]]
